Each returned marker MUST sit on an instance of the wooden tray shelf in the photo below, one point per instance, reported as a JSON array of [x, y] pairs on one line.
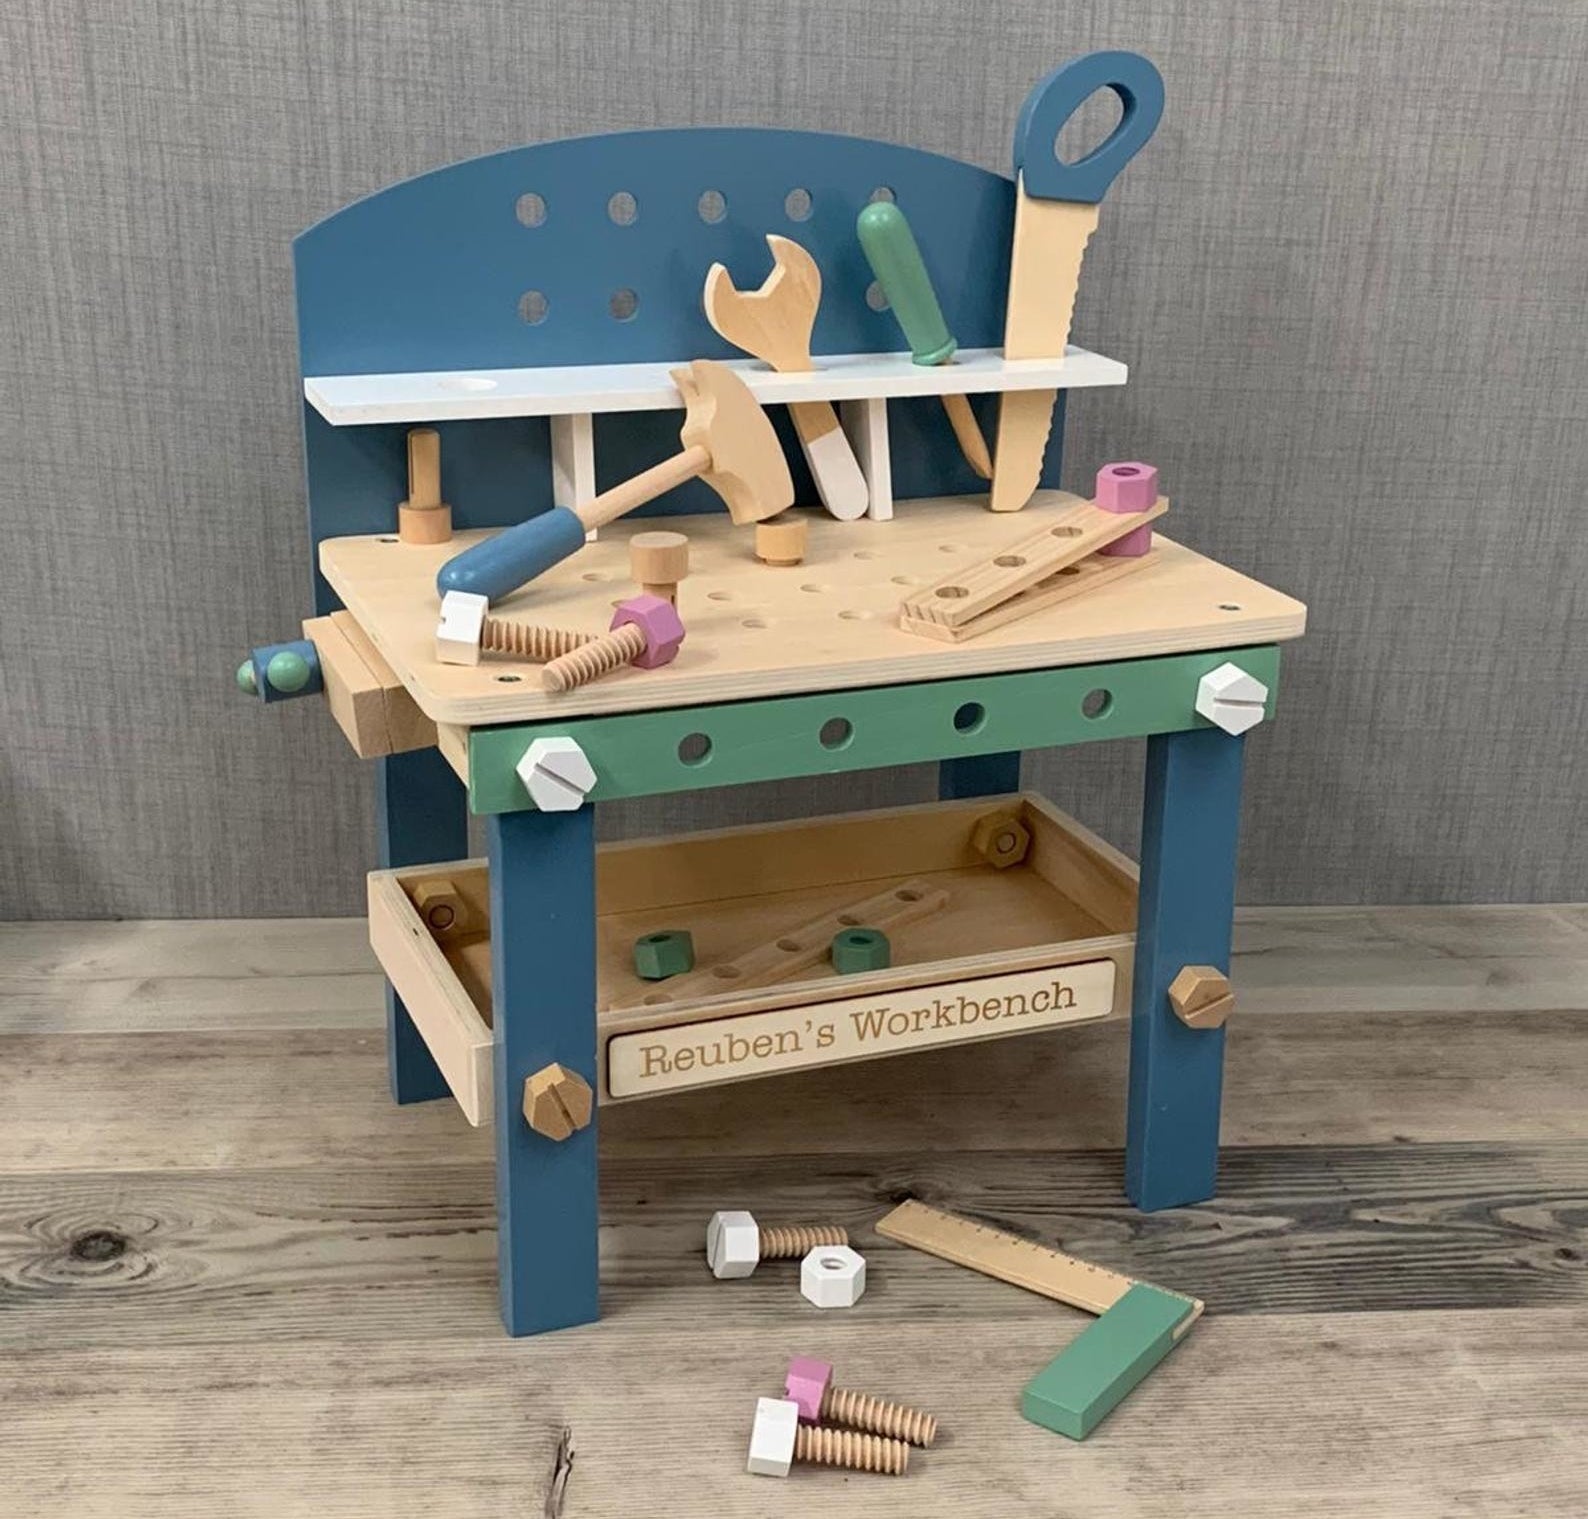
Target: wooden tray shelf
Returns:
[[975, 969]]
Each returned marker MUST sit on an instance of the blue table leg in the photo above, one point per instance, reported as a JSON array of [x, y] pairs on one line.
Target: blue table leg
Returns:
[[543, 1009], [1190, 821], [423, 816], [978, 775]]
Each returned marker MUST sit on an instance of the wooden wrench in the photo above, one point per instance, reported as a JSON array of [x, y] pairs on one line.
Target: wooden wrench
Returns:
[[774, 325]]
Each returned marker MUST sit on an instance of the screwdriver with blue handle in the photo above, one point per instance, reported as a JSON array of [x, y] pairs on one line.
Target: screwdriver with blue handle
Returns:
[[895, 259]]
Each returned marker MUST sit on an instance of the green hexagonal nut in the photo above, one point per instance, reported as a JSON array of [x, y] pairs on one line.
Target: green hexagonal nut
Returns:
[[667, 952], [858, 949], [288, 671]]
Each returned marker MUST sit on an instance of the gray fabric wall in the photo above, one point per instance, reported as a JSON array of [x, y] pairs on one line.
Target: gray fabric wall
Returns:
[[1348, 275]]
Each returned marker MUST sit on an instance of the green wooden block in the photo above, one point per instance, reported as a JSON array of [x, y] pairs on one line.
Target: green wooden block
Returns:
[[670, 952], [1080, 1386], [860, 949]]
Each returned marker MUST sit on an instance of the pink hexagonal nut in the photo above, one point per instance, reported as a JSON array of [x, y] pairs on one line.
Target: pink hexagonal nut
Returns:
[[1125, 488], [806, 1384], [659, 621]]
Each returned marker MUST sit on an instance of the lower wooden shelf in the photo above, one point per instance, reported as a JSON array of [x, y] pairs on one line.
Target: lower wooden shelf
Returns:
[[1040, 943]]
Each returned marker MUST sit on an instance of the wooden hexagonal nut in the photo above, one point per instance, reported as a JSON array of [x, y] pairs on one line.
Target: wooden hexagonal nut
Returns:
[[442, 906], [557, 1102], [1201, 996], [1001, 839]]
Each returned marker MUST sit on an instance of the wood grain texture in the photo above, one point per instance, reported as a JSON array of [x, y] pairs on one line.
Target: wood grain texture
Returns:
[[235, 1278], [756, 630]]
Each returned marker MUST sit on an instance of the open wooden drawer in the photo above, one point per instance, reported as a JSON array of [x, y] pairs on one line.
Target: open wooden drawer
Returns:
[[1010, 950]]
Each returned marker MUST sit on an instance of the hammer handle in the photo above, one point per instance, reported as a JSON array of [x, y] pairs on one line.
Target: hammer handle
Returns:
[[643, 487]]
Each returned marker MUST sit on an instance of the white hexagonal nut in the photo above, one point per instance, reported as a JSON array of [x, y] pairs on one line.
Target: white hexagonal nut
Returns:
[[458, 633], [1232, 699], [556, 774], [733, 1245], [777, 1422], [833, 1276]]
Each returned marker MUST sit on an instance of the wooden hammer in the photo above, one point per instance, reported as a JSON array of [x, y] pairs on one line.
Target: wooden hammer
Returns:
[[728, 442]]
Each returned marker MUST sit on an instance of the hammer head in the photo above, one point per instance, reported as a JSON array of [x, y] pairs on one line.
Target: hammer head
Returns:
[[747, 467], [774, 322]]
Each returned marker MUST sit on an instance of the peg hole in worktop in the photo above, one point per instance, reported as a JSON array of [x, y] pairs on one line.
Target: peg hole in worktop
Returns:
[[712, 207], [813, 588], [797, 204], [623, 305], [906, 580], [875, 298], [719, 595], [530, 209], [753, 622], [849, 614], [1071, 569], [388, 540], [951, 548], [1010, 561], [1065, 532], [509, 680], [532, 307], [694, 748], [592, 575], [952, 592], [908, 894], [849, 920], [725, 972], [836, 733], [1229, 606], [867, 554], [789, 946], [623, 209], [1097, 703], [656, 999]]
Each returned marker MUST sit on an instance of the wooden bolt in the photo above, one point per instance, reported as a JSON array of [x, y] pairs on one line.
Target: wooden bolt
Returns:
[[424, 517], [1201, 996], [557, 1102], [646, 631], [1001, 839], [810, 1384], [778, 1440], [658, 561], [781, 541], [736, 1244], [467, 629]]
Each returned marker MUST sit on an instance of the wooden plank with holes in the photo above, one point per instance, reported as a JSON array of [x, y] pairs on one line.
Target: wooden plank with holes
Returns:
[[1090, 574], [1064, 539], [806, 945]]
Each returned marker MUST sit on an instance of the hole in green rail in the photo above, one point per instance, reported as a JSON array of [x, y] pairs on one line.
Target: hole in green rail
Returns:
[[1097, 703], [836, 733], [694, 748], [971, 717]]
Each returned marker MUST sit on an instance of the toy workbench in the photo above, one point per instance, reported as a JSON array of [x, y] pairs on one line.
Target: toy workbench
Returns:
[[532, 382]]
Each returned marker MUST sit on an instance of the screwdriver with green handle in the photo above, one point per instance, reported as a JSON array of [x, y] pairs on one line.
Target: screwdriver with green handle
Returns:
[[895, 259]]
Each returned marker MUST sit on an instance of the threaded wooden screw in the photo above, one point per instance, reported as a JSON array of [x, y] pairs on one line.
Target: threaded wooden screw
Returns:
[[848, 1448], [795, 1241], [501, 635], [879, 1416], [592, 658]]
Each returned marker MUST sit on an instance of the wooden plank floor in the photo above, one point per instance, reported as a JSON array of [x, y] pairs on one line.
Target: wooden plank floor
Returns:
[[234, 1279]]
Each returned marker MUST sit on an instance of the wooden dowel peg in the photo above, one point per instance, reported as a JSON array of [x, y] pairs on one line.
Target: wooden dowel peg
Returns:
[[424, 517], [658, 562]]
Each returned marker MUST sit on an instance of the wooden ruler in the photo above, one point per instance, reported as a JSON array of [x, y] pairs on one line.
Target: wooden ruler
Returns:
[[1037, 1268], [973, 591]]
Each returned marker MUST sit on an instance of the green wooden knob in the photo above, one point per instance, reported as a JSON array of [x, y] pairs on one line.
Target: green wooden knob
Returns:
[[669, 952], [288, 671], [896, 261], [245, 678], [858, 949]]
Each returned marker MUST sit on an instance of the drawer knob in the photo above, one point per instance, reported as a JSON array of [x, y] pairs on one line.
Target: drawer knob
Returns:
[[557, 1102]]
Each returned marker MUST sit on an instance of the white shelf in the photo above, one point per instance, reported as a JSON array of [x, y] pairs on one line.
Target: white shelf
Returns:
[[573, 390]]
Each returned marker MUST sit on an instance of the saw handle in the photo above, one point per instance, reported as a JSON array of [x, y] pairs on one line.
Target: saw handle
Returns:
[[895, 259], [1042, 173]]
